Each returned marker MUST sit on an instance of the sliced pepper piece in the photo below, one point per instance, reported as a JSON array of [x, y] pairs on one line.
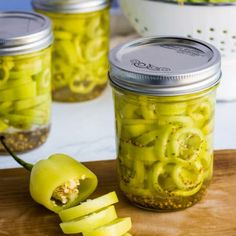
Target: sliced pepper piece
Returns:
[[8, 62], [25, 121], [180, 121], [3, 126], [58, 182], [171, 109], [13, 83], [148, 109], [188, 177], [81, 83], [186, 143], [163, 140], [147, 137], [118, 227], [30, 66], [5, 107], [62, 35], [18, 75], [30, 103], [67, 49], [96, 49], [89, 222], [4, 75], [94, 29], [131, 151], [21, 92], [79, 49], [126, 188], [128, 111], [88, 207], [201, 112]]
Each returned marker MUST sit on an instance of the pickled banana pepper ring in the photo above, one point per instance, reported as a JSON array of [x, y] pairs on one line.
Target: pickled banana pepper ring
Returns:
[[88, 207], [117, 227], [89, 222]]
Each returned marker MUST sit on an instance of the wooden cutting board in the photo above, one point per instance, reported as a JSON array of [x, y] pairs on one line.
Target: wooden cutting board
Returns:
[[214, 215]]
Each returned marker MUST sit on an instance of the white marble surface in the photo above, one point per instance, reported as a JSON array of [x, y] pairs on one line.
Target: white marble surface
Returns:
[[86, 131]]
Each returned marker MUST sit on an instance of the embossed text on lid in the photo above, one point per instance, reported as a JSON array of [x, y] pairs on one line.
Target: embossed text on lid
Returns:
[[165, 65]]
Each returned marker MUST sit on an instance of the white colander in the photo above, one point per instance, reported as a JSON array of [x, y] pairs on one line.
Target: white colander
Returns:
[[213, 23]]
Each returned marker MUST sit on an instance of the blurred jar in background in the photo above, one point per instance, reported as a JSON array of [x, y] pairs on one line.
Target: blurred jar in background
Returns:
[[25, 79], [80, 51]]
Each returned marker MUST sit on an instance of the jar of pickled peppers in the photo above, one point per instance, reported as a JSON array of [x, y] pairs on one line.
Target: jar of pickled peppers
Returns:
[[164, 97], [25, 78], [80, 51]]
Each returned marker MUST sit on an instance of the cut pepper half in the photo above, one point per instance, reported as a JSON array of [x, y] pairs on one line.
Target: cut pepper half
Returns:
[[61, 182], [88, 207]]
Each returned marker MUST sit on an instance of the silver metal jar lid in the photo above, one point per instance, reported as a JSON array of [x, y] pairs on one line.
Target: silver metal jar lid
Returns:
[[24, 32], [165, 66], [70, 6]]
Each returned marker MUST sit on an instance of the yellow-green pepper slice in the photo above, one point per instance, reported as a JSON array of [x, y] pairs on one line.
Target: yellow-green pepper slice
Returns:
[[89, 222], [58, 182], [171, 109], [96, 49], [30, 103], [30, 66], [5, 107], [13, 83], [201, 112], [186, 143], [88, 207], [131, 151], [22, 121], [118, 227], [4, 74], [21, 92], [62, 35], [3, 126]]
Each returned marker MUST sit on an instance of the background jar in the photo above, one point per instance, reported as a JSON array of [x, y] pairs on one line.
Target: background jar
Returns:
[[25, 78], [80, 51], [164, 97]]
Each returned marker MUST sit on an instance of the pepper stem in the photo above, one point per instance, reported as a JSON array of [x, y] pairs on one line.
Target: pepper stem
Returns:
[[26, 165]]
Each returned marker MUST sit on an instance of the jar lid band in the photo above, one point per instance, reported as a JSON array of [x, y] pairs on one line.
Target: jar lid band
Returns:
[[70, 6], [165, 66], [24, 32]]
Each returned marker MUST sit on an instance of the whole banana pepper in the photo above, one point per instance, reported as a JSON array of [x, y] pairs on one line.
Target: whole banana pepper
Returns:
[[58, 182]]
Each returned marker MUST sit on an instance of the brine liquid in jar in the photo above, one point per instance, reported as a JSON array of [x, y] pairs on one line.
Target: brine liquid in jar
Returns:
[[164, 109]]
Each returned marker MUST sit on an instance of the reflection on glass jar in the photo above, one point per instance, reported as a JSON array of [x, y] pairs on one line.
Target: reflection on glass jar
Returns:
[[25, 81], [80, 51], [164, 131]]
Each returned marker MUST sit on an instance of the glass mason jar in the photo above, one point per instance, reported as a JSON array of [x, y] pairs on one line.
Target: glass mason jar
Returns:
[[164, 98], [25, 78], [80, 51]]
